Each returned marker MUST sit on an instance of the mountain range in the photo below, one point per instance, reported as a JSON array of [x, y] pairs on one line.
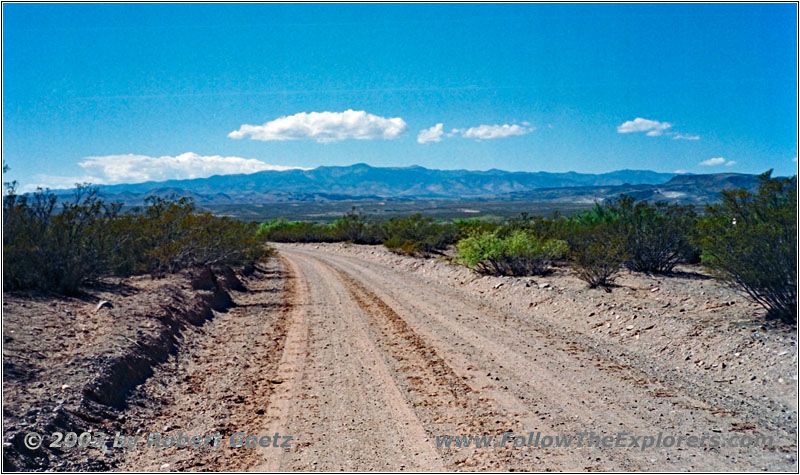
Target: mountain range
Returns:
[[364, 182]]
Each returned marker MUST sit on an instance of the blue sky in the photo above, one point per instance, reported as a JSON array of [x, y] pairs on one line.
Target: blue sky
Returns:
[[125, 93]]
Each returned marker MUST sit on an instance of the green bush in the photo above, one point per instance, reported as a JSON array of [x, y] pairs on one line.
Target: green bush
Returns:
[[416, 234], [656, 237], [58, 250], [46, 250], [597, 252], [470, 226], [173, 235], [518, 254], [281, 230], [750, 241], [354, 227]]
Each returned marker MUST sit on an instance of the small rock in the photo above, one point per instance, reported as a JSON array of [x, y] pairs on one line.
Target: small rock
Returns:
[[629, 327], [654, 289], [103, 303]]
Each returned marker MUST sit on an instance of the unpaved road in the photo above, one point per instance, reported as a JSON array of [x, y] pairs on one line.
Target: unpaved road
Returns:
[[378, 362], [365, 357]]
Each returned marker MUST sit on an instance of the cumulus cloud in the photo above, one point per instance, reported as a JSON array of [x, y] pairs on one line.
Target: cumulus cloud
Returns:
[[652, 128], [685, 137], [138, 168], [324, 127], [130, 168], [712, 162], [56, 182], [433, 134], [489, 132], [730, 163]]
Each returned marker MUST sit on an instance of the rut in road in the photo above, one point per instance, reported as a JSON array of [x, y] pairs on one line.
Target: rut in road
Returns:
[[393, 361]]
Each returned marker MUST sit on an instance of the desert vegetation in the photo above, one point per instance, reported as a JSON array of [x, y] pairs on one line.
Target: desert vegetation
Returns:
[[52, 246], [518, 254], [748, 240]]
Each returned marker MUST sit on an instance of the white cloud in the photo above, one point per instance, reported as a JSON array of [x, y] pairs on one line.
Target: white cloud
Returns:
[[730, 163], [488, 132], [433, 134], [713, 162], [685, 137], [324, 127], [652, 127], [130, 168], [55, 182], [680, 171]]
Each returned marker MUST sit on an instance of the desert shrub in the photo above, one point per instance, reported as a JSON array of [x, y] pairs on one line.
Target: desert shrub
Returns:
[[281, 230], [60, 251], [468, 227], [544, 227], [171, 235], [416, 234], [52, 247], [596, 252], [750, 241], [354, 227], [656, 237], [518, 254]]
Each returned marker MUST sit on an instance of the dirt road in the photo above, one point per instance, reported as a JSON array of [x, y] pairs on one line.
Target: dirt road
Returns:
[[367, 359], [378, 363]]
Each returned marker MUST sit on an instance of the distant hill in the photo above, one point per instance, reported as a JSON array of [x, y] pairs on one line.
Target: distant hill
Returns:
[[362, 182], [684, 189]]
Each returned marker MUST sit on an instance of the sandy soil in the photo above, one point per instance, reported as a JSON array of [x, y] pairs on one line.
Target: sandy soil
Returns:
[[365, 358], [220, 382], [401, 350]]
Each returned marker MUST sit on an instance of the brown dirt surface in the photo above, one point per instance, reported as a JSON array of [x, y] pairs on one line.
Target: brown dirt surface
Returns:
[[365, 357]]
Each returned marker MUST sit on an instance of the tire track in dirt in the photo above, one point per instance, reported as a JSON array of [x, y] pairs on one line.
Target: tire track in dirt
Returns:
[[439, 396], [349, 414], [528, 376], [289, 369], [477, 361]]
